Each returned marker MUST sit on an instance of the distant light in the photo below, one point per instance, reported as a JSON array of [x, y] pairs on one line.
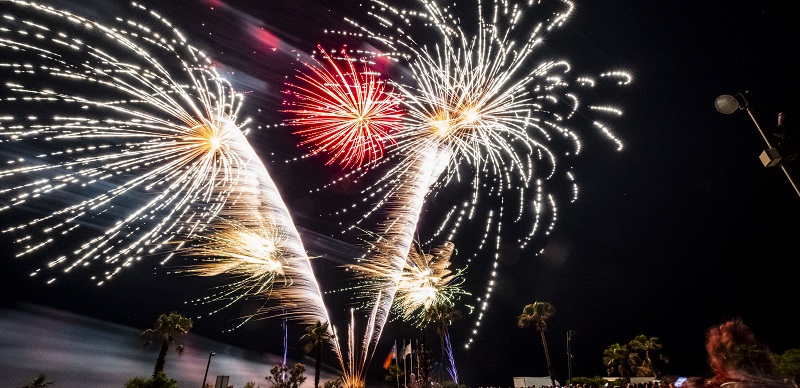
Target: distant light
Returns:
[[726, 104]]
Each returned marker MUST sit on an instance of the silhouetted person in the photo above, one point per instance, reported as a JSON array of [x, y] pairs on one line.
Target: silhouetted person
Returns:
[[738, 360]]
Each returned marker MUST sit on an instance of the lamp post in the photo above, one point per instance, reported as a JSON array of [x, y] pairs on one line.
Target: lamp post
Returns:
[[207, 365], [570, 333], [728, 104]]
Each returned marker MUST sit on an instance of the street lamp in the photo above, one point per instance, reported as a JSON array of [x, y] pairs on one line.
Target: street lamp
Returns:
[[207, 365], [770, 157], [570, 333]]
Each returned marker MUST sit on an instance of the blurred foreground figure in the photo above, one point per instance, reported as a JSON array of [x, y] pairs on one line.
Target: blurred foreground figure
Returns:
[[738, 360]]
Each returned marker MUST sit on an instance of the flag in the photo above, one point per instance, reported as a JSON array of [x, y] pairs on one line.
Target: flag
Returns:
[[391, 356], [407, 351]]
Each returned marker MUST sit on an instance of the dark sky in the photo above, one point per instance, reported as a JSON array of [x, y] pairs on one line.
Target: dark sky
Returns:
[[680, 231]]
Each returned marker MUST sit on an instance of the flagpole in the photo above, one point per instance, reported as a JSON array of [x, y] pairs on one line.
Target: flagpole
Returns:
[[396, 364], [412, 361], [405, 370]]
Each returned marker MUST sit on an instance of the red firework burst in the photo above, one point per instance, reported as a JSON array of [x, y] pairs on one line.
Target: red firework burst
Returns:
[[345, 113]]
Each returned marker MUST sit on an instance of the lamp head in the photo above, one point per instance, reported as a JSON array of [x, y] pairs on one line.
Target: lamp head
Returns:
[[727, 104]]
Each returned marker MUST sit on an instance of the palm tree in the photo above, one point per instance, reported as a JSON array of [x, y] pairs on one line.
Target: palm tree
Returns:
[[444, 315], [316, 335], [536, 314], [166, 329], [39, 381], [646, 348], [615, 358]]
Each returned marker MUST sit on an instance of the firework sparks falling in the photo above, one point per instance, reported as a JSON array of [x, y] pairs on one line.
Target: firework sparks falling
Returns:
[[252, 255], [396, 237], [342, 111], [252, 252], [426, 282], [134, 140], [137, 148], [254, 242], [506, 121], [426, 291]]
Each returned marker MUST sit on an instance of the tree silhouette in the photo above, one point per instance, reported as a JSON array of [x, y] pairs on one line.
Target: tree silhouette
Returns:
[[615, 358], [537, 314], [646, 349], [315, 336], [166, 329], [444, 315]]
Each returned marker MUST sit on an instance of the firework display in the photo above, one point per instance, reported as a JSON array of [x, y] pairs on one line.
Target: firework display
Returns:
[[343, 111], [503, 124], [427, 291], [427, 282], [141, 157], [123, 144], [128, 152]]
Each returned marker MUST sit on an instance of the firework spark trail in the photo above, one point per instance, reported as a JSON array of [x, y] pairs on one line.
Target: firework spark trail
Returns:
[[425, 282], [480, 98], [155, 155], [133, 146], [250, 252], [347, 113], [354, 363], [394, 244], [383, 274], [256, 244], [426, 289], [451, 369], [428, 282]]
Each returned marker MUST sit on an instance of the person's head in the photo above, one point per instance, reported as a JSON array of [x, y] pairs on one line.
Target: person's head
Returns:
[[734, 351]]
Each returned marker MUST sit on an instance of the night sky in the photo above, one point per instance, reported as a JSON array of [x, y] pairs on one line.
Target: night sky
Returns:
[[681, 230]]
